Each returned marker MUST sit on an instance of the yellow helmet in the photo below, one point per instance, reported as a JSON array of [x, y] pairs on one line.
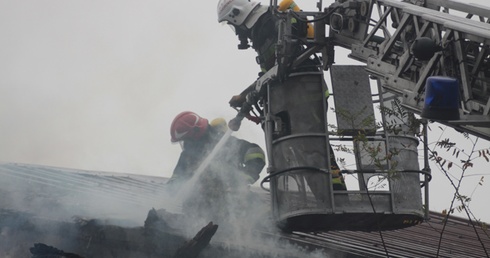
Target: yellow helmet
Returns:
[[219, 123]]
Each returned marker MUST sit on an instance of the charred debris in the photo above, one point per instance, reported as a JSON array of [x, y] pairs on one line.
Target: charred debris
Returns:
[[56, 212]]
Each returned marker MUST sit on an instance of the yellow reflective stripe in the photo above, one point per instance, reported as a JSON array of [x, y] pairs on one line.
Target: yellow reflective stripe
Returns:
[[294, 6], [255, 155], [338, 181], [249, 179]]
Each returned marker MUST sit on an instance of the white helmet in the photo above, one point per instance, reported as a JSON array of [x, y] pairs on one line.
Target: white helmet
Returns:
[[238, 12]]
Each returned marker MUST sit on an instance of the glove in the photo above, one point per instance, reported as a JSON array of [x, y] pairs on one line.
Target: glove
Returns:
[[237, 101]]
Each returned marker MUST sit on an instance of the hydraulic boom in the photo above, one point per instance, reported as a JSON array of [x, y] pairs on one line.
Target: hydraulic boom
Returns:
[[402, 43]]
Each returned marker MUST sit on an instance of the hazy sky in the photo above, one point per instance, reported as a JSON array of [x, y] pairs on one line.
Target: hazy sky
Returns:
[[95, 84]]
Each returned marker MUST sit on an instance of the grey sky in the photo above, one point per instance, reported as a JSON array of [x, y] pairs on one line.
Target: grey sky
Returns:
[[95, 84]]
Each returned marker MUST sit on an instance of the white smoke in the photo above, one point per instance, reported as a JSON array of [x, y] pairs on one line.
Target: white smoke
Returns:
[[242, 213], [38, 202]]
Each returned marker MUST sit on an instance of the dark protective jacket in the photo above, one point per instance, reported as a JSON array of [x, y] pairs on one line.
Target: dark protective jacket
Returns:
[[237, 161], [264, 36]]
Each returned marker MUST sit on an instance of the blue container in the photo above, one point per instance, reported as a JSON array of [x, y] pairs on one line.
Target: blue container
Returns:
[[441, 99]]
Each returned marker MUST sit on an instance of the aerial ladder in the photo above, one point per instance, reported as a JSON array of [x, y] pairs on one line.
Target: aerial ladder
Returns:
[[427, 40], [432, 56]]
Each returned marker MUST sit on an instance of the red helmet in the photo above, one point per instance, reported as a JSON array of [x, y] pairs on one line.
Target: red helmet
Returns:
[[188, 125]]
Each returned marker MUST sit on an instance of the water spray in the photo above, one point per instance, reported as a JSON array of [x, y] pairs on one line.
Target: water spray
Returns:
[[187, 188]]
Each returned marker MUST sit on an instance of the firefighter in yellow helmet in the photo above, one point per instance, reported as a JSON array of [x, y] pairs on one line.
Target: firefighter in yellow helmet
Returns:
[[198, 137]]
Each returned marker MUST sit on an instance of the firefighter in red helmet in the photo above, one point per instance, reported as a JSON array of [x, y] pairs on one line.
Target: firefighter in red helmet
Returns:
[[188, 126], [198, 137]]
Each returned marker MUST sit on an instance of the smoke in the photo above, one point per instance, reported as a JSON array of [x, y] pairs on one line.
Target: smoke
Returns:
[[41, 204], [220, 194], [45, 204], [185, 191], [94, 85]]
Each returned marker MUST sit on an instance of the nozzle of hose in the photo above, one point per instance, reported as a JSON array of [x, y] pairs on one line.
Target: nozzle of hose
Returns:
[[235, 123]]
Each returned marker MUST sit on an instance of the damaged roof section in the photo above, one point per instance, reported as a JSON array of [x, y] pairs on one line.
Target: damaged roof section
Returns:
[[101, 214]]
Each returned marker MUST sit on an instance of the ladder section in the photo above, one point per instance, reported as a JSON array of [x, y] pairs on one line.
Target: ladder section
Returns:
[[403, 44], [385, 35], [471, 11]]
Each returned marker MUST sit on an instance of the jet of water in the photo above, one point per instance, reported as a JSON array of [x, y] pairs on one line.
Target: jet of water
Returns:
[[187, 188]]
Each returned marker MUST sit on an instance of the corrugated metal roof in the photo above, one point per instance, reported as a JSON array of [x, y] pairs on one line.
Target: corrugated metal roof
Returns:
[[25, 187], [433, 238], [77, 192]]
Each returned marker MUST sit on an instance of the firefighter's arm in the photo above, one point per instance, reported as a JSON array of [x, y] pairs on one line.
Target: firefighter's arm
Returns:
[[254, 162]]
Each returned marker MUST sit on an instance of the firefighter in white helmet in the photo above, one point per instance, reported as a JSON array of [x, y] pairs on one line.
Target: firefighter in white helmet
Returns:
[[240, 158], [255, 22]]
